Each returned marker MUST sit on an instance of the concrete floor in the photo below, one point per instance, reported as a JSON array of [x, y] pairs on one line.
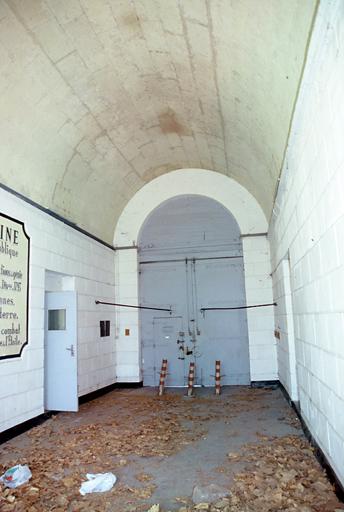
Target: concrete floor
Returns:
[[200, 462], [159, 448]]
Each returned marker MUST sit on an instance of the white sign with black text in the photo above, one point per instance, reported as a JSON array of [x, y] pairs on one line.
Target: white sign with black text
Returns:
[[14, 286]]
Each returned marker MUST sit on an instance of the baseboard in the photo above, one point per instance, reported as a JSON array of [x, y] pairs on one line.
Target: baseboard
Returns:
[[273, 384], [103, 391], [15, 431], [318, 452]]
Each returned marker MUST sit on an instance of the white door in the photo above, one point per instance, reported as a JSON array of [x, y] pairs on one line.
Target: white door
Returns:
[[61, 372]]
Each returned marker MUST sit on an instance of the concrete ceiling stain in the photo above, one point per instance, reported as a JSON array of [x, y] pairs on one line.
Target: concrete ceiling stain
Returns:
[[169, 85]]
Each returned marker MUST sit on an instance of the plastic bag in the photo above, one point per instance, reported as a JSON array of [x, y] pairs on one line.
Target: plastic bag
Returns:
[[16, 476], [208, 493], [99, 482]]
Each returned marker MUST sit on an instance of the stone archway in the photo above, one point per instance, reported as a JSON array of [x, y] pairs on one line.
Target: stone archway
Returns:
[[252, 223]]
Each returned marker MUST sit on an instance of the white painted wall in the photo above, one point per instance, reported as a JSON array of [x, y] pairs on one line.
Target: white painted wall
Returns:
[[260, 321], [258, 283], [128, 354], [57, 247], [308, 221], [284, 326]]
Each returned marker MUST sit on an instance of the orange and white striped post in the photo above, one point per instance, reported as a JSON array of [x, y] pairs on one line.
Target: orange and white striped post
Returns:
[[163, 373], [191, 378], [217, 377]]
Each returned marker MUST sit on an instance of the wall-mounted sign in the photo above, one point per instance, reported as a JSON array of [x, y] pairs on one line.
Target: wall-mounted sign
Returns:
[[14, 286]]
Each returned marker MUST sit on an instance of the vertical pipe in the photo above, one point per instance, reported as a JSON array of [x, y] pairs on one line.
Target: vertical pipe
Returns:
[[217, 377], [162, 377], [191, 378]]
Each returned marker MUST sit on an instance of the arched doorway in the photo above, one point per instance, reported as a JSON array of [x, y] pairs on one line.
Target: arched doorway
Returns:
[[258, 284], [190, 258]]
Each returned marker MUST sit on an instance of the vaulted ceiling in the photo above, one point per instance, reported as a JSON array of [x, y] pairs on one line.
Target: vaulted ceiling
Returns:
[[98, 97]]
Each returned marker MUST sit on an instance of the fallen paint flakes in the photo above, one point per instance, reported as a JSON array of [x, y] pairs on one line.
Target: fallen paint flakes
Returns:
[[143, 477], [233, 456], [287, 477], [181, 499], [279, 473], [154, 508]]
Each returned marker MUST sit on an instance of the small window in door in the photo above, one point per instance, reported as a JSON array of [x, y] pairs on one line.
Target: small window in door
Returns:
[[56, 320]]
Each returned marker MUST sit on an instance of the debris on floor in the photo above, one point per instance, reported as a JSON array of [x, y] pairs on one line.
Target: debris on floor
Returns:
[[154, 508], [284, 475], [16, 476], [247, 446], [208, 493], [101, 482]]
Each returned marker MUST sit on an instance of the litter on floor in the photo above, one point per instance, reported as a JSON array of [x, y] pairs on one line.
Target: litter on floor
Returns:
[[241, 451]]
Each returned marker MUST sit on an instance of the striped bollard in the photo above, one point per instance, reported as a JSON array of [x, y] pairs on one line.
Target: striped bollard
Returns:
[[191, 378], [217, 377], [162, 376]]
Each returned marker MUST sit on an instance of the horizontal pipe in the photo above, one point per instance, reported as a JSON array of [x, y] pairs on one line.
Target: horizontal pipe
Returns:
[[240, 307], [190, 259], [131, 306], [247, 235], [124, 247]]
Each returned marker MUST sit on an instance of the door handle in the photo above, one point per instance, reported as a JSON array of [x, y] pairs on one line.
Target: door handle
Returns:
[[71, 350]]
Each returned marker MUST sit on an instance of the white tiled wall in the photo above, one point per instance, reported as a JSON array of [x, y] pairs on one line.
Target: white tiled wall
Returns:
[[308, 221], [258, 283], [128, 368], [58, 248], [284, 327]]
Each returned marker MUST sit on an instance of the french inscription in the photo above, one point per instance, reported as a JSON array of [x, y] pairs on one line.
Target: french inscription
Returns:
[[14, 282]]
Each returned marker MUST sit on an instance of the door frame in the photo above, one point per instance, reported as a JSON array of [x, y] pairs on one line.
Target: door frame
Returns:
[[74, 312], [253, 226]]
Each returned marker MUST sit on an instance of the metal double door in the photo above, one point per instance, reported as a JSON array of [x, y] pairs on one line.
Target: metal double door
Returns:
[[188, 335]]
